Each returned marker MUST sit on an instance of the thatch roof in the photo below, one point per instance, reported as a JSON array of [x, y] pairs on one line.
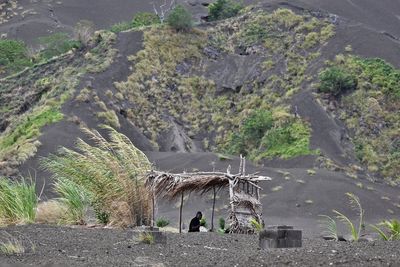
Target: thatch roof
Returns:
[[170, 185]]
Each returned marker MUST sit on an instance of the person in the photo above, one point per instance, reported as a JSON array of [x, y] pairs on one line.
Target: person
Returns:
[[194, 225]]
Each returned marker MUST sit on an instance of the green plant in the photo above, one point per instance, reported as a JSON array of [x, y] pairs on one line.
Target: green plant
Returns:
[[203, 222], [221, 223], [180, 19], [355, 230], [13, 56], [258, 226], [145, 19], [75, 198], [329, 227], [223, 9], [162, 222], [121, 26], [391, 229], [146, 238], [18, 201], [112, 172], [336, 80]]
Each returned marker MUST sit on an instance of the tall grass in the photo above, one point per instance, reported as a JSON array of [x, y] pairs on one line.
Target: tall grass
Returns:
[[18, 201], [112, 172], [74, 198]]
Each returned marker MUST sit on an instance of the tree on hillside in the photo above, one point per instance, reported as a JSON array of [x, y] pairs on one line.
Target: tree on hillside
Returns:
[[164, 9], [180, 19]]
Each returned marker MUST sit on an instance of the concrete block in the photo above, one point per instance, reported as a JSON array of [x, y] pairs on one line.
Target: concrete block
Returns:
[[280, 237]]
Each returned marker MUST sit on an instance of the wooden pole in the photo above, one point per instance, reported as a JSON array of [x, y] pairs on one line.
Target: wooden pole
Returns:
[[154, 210], [213, 209], [180, 214]]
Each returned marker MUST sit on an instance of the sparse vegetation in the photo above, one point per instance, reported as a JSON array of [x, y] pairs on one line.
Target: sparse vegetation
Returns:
[[18, 201], [328, 224], [354, 229], [56, 44], [141, 19], [370, 113], [11, 246]]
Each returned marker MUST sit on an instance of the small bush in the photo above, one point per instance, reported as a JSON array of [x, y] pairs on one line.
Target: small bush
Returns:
[[221, 223], [257, 226], [18, 201], [223, 9], [145, 19], [391, 229], [146, 238], [121, 26], [180, 19], [13, 56], [336, 80], [12, 247], [162, 222]]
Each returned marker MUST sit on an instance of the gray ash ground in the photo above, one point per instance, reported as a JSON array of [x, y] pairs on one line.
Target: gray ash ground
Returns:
[[63, 246]]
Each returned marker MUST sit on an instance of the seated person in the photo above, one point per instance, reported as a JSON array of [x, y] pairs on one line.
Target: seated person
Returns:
[[195, 223]]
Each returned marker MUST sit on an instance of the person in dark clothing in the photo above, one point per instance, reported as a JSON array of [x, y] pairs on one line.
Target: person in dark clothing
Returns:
[[195, 223]]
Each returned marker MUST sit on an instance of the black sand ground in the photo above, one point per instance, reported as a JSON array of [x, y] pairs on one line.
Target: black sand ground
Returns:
[[56, 246]]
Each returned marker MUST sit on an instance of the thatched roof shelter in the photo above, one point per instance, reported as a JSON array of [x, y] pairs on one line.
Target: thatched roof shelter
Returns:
[[243, 189]]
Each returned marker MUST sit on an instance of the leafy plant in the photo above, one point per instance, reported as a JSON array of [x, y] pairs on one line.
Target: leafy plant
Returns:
[[355, 230], [162, 222], [75, 198], [336, 80], [203, 222], [180, 19], [221, 223], [223, 9], [258, 226], [18, 201], [329, 227], [391, 229]]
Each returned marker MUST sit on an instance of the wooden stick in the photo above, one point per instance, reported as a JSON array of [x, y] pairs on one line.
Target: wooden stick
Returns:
[[180, 214], [213, 209]]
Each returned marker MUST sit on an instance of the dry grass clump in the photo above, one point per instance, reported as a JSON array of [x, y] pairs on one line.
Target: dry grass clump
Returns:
[[111, 172], [50, 212]]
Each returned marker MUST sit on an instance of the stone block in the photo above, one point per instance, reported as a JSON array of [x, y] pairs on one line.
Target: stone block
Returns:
[[280, 237]]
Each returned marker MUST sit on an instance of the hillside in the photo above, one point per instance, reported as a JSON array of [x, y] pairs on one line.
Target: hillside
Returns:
[[250, 85]]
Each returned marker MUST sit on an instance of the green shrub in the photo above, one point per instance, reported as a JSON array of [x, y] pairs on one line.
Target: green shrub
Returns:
[[180, 19], [75, 198], [223, 9], [257, 226], [13, 55], [57, 44], [18, 201], [162, 222], [391, 230], [336, 80], [145, 19]]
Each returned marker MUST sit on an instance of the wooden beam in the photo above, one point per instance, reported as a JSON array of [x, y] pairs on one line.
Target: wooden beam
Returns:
[[180, 214]]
